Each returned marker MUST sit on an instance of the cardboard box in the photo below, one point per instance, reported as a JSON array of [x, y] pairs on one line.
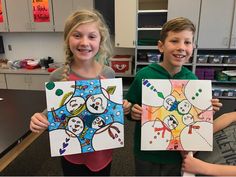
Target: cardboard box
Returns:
[[121, 64]]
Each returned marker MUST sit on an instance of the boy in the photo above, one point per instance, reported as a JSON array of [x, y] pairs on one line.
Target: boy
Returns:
[[176, 46], [221, 161]]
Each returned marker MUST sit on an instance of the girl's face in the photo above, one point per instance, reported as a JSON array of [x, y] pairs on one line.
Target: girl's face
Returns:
[[84, 42], [177, 48]]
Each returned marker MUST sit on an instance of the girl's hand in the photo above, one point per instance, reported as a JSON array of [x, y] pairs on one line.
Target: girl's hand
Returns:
[[193, 165], [216, 104], [126, 107], [38, 122], [136, 112]]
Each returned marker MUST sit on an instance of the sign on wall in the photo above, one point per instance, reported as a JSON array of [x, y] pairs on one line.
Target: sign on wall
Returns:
[[41, 11], [1, 13]]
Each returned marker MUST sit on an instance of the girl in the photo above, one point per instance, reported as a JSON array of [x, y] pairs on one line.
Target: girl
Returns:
[[87, 46]]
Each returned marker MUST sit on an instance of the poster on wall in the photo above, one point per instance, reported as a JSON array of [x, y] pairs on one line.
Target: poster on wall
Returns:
[[1, 13], [85, 116], [177, 115], [41, 11]]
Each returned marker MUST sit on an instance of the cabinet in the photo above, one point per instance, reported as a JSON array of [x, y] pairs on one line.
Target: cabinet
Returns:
[[3, 20], [188, 8], [233, 33], [125, 23], [151, 15], [26, 81], [63, 8], [3, 84], [217, 26], [21, 18]]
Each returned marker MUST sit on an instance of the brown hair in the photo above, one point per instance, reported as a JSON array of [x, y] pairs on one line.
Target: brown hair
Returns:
[[83, 17], [177, 24]]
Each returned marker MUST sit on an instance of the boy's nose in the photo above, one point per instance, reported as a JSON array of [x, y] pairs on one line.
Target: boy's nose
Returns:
[[181, 46]]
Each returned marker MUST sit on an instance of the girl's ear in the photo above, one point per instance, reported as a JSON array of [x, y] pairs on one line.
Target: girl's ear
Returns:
[[160, 46]]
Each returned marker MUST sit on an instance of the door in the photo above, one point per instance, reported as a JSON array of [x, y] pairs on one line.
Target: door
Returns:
[[18, 16], [3, 19], [215, 23], [233, 33], [185, 8], [61, 10], [41, 16], [125, 23]]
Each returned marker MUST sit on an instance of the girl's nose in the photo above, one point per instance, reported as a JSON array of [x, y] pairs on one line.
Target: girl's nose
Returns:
[[84, 41]]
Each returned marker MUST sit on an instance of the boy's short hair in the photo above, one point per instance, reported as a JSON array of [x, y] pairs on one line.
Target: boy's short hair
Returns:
[[177, 24]]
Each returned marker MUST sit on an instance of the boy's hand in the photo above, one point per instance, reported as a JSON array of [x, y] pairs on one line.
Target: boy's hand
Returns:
[[216, 104], [136, 112], [126, 107], [38, 122]]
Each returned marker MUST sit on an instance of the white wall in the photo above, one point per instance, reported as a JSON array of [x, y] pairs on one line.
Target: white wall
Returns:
[[40, 45]]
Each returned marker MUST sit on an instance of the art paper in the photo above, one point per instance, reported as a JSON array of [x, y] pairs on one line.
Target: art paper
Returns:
[[177, 115], [85, 116]]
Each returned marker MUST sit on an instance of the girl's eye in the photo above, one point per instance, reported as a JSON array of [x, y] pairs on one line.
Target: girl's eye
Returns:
[[92, 37], [76, 35]]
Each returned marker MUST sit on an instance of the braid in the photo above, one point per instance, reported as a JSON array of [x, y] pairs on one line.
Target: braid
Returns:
[[65, 74]]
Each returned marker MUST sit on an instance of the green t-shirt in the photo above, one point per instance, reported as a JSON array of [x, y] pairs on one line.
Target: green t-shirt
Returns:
[[134, 95]]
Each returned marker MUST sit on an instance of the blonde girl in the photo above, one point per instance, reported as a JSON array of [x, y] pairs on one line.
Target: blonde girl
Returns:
[[87, 46]]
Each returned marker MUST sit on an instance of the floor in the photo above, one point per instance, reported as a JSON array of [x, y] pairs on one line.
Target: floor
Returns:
[[31, 157]]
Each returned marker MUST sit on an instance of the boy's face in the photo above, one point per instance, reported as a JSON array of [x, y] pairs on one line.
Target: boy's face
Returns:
[[177, 48]]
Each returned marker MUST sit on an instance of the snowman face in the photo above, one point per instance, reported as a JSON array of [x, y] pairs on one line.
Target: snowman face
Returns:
[[98, 123], [187, 119], [96, 104], [184, 107], [168, 102], [75, 126], [75, 105], [171, 122]]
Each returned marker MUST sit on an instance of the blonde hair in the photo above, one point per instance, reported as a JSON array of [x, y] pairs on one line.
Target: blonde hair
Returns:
[[83, 17], [177, 24]]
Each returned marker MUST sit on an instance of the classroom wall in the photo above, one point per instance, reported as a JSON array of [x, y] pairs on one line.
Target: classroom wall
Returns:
[[40, 45]]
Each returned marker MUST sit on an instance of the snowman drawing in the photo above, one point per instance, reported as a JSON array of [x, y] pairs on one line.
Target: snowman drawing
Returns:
[[189, 102], [160, 133]]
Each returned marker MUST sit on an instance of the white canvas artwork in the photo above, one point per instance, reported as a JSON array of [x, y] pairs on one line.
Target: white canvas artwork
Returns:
[[85, 116], [177, 115]]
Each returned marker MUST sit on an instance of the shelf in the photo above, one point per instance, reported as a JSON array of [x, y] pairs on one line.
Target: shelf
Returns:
[[149, 29], [153, 11], [147, 47], [223, 82], [147, 63], [123, 75], [218, 65], [227, 97]]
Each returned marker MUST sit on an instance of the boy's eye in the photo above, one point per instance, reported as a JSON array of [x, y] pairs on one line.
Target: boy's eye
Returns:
[[174, 41], [188, 42]]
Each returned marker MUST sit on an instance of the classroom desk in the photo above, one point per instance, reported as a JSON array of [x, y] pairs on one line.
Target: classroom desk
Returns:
[[16, 108]]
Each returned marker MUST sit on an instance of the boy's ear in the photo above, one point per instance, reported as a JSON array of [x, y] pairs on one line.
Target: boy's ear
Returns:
[[160, 46]]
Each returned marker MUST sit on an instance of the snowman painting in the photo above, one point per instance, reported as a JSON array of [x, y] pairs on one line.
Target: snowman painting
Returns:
[[180, 107], [85, 116]]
